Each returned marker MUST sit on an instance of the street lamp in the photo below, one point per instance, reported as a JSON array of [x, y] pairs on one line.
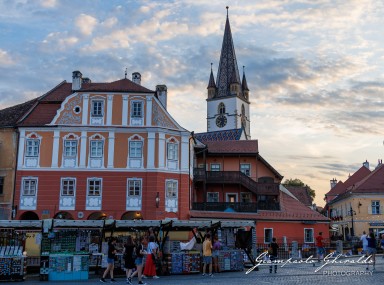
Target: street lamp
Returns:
[[352, 213]]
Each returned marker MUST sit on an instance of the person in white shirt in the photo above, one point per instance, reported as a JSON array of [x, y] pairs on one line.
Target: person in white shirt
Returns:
[[363, 238]]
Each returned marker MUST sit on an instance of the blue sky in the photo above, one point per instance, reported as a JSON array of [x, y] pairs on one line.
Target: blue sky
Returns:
[[314, 68]]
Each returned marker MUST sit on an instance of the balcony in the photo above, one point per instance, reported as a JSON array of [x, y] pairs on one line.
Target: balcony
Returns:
[[236, 207], [234, 177], [225, 207]]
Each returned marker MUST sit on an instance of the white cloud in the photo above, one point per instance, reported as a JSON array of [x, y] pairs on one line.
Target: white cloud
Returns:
[[86, 24], [48, 3], [5, 58]]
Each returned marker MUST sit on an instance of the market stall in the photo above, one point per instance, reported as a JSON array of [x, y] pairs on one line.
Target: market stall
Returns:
[[69, 248], [13, 254], [134, 228]]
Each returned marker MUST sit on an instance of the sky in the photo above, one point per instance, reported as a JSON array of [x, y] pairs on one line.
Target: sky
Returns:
[[315, 68]]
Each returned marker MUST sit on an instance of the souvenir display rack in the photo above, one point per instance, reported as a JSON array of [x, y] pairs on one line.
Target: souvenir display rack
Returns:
[[13, 265]]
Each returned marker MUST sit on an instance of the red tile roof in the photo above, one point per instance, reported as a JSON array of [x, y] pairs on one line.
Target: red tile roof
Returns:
[[372, 183], [291, 210], [10, 116], [223, 147], [43, 114], [355, 178], [122, 85], [301, 193], [49, 103]]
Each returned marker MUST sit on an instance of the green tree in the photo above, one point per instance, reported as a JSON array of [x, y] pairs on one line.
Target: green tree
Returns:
[[298, 183]]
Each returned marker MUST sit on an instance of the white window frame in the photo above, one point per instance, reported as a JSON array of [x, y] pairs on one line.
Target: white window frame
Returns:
[[211, 195], [268, 241], [69, 150], [26, 180], [242, 194], [134, 182], [245, 170], [137, 112], [375, 206], [171, 189], [96, 148], [305, 235], [211, 168], [66, 187], [32, 150], [100, 186], [134, 151], [172, 151], [97, 108]]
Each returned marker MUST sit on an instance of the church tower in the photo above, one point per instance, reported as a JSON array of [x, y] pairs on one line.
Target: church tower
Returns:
[[228, 98]]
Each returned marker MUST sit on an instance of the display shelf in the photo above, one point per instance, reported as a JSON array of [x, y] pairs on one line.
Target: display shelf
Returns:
[[68, 267]]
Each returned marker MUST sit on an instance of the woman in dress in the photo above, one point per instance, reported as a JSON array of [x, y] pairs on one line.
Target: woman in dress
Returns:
[[150, 265], [129, 252]]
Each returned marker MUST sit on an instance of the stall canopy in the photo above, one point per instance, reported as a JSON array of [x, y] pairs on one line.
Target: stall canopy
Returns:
[[20, 224], [78, 223], [137, 224]]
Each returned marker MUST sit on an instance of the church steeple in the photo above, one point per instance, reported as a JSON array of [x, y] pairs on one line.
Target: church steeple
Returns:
[[228, 71]]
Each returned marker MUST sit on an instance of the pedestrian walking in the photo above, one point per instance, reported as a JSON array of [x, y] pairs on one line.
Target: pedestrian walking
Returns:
[[364, 240], [110, 260], [152, 255], [129, 255], [372, 249], [273, 247], [215, 254], [140, 252]]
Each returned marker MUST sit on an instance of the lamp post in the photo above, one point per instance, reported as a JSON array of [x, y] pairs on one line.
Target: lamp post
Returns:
[[352, 213]]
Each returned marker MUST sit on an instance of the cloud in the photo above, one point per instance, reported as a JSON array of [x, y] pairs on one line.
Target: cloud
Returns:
[[86, 24], [48, 3], [5, 58]]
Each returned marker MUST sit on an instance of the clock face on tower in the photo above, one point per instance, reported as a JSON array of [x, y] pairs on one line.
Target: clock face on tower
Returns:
[[221, 121]]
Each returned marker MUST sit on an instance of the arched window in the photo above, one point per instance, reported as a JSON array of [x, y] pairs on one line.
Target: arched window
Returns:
[[221, 108]]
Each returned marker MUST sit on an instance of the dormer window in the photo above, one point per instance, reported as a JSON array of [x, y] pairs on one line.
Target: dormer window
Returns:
[[97, 108]]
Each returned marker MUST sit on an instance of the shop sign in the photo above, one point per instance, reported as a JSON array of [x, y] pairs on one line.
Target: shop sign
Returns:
[[376, 224]]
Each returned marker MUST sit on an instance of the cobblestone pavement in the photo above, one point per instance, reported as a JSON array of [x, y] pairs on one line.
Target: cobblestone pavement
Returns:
[[343, 272]]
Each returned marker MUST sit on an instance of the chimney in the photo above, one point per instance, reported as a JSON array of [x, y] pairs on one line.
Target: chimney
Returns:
[[366, 164], [76, 80], [86, 80], [333, 182], [136, 78], [161, 91]]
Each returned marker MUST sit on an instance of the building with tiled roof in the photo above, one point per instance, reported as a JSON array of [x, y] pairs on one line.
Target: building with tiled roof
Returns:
[[97, 150], [360, 206], [8, 153], [340, 187]]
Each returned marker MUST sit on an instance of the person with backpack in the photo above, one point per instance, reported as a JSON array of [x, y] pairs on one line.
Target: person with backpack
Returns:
[[129, 255]]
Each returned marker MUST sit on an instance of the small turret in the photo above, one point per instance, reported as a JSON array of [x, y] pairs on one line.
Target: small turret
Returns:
[[211, 85]]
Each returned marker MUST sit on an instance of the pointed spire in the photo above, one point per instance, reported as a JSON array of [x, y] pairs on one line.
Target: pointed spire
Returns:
[[244, 83], [211, 83], [228, 71]]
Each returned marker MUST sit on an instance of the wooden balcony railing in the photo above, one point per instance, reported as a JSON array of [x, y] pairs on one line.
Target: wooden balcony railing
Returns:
[[232, 177], [235, 207]]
